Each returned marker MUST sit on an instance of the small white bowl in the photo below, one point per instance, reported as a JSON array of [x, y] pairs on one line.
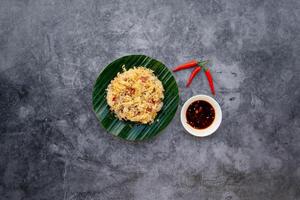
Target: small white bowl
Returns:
[[209, 130]]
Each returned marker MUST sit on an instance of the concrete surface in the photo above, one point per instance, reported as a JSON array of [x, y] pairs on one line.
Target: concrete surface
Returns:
[[52, 147]]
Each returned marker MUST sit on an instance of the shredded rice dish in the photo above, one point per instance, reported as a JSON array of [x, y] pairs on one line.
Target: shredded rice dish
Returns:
[[135, 95]]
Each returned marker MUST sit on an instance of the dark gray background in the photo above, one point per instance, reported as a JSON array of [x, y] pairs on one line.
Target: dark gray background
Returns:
[[52, 146]]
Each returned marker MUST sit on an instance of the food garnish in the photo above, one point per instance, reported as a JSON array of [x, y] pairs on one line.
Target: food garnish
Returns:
[[198, 65], [192, 76], [210, 80], [190, 64]]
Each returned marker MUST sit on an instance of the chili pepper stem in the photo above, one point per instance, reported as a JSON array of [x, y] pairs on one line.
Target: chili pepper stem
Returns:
[[202, 63]]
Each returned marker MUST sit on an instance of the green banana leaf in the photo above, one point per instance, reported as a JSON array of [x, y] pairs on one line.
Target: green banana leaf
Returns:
[[126, 129]]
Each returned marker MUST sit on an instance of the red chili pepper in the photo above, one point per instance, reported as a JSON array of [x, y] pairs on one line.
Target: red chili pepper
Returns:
[[192, 76], [187, 65], [190, 64], [210, 80]]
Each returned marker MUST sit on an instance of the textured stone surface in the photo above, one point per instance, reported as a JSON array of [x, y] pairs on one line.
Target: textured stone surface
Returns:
[[52, 147]]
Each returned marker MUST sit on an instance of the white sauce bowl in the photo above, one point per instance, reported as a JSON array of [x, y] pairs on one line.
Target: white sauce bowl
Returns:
[[215, 124]]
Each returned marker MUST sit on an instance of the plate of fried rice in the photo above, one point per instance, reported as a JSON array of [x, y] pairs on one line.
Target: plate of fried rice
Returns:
[[135, 97]]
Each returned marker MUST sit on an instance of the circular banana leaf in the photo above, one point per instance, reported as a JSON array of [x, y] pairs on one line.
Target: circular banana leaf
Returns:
[[126, 129]]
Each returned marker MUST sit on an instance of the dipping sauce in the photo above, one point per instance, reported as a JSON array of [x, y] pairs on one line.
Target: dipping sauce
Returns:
[[200, 114]]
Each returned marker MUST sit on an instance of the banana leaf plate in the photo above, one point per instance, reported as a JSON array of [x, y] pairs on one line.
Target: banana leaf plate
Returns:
[[126, 129]]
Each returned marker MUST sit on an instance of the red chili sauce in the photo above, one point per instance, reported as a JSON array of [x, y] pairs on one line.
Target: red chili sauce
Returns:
[[200, 114]]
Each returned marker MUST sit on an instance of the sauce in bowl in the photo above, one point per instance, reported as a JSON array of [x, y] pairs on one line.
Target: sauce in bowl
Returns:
[[200, 114]]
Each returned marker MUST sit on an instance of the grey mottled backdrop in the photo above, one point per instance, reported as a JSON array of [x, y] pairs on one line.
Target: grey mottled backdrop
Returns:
[[52, 146]]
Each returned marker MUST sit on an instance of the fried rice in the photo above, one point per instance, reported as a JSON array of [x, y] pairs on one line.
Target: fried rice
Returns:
[[136, 95]]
